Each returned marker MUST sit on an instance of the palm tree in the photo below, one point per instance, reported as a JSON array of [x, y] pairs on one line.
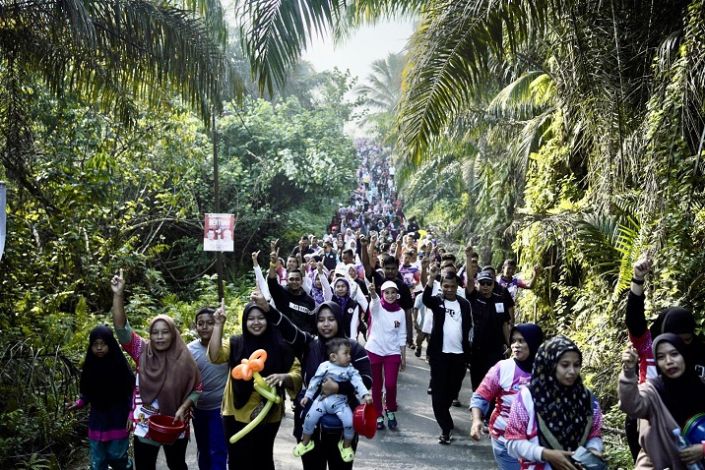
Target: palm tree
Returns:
[[380, 94], [118, 55]]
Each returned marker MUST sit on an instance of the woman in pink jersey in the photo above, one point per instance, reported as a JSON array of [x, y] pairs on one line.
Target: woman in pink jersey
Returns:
[[555, 415], [501, 384]]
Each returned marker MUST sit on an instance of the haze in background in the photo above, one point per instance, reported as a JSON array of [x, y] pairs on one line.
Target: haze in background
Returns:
[[365, 45]]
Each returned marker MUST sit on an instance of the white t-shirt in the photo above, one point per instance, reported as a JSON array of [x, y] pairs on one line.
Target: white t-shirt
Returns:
[[452, 328], [388, 332]]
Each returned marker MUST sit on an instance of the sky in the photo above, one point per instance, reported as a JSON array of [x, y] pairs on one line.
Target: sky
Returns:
[[364, 46]]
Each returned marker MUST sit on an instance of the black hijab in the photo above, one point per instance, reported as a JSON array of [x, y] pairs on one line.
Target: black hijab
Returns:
[[683, 396], [533, 335], [317, 351], [279, 357], [106, 381], [566, 411]]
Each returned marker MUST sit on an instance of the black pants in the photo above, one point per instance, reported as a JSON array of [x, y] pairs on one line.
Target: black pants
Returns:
[[325, 454], [255, 451], [447, 373], [146, 455], [630, 427]]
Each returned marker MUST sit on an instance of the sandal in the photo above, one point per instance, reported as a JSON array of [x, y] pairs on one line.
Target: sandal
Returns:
[[302, 448], [346, 453]]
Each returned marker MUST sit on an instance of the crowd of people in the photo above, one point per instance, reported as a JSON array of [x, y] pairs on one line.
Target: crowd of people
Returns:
[[336, 317]]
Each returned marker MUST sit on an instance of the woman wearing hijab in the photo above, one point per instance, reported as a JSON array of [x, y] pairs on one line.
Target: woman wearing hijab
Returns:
[[168, 381], [663, 403], [348, 307], [311, 351], [241, 402], [106, 384], [555, 414], [501, 385]]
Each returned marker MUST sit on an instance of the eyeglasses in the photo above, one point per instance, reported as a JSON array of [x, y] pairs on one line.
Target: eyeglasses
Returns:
[[485, 283]]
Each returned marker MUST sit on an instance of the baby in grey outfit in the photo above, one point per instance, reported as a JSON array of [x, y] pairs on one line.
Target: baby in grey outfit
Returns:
[[338, 368]]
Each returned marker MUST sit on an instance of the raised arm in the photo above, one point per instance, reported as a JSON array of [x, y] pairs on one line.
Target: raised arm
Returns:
[[259, 277], [273, 257], [290, 332], [635, 318], [216, 342], [630, 399], [365, 254], [429, 300], [117, 284], [325, 285]]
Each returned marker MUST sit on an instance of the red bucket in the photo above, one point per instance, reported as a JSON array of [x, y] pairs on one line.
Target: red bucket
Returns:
[[164, 430], [365, 420]]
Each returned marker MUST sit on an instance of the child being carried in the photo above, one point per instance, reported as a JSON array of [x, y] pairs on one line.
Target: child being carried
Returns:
[[339, 369]]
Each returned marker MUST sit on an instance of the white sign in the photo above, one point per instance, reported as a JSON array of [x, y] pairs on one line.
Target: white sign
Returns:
[[218, 232]]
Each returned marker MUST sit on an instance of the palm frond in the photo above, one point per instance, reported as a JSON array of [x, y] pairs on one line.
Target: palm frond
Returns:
[[449, 60]]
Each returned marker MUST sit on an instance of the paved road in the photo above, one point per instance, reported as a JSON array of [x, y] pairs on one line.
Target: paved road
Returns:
[[414, 445]]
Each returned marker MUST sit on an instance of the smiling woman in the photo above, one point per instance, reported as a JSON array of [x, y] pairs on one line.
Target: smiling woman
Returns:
[[242, 403], [168, 381], [555, 415], [664, 404]]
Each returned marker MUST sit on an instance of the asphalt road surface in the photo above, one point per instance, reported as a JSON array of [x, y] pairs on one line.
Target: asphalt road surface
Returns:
[[414, 445]]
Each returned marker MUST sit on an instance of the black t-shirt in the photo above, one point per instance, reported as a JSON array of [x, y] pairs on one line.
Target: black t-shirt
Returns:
[[297, 308], [489, 315]]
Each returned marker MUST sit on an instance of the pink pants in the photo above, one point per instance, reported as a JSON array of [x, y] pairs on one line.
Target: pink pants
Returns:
[[385, 370]]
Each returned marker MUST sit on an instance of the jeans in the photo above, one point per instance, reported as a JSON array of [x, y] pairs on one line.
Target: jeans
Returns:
[[385, 370], [210, 439], [502, 457], [113, 453]]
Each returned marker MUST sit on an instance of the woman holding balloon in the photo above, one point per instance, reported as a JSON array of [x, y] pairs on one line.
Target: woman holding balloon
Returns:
[[243, 399]]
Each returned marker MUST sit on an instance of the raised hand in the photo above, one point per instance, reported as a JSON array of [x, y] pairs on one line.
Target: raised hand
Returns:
[[258, 299], [642, 267], [629, 360], [219, 315], [117, 283], [255, 255], [274, 256], [373, 289]]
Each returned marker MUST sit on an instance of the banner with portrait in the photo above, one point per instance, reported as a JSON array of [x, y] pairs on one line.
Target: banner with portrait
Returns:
[[218, 231]]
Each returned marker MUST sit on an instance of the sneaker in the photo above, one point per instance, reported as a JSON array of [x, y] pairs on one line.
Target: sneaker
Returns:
[[457, 404], [391, 420], [444, 439], [418, 352], [380, 423], [302, 448], [346, 453]]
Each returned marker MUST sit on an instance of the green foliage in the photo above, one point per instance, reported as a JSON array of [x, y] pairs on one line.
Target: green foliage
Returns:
[[110, 197]]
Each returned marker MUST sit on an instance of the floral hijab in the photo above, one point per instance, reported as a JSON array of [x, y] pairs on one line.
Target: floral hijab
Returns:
[[563, 414]]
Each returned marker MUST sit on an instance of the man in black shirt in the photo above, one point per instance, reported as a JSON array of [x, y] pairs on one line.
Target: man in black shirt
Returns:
[[291, 300], [490, 314]]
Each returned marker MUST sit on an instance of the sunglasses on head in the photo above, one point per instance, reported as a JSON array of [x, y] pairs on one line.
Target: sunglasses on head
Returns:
[[485, 283]]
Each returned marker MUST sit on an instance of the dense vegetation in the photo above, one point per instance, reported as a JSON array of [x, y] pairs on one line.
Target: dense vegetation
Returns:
[[568, 133]]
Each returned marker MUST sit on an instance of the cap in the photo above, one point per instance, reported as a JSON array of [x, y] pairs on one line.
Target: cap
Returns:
[[485, 276], [387, 284]]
